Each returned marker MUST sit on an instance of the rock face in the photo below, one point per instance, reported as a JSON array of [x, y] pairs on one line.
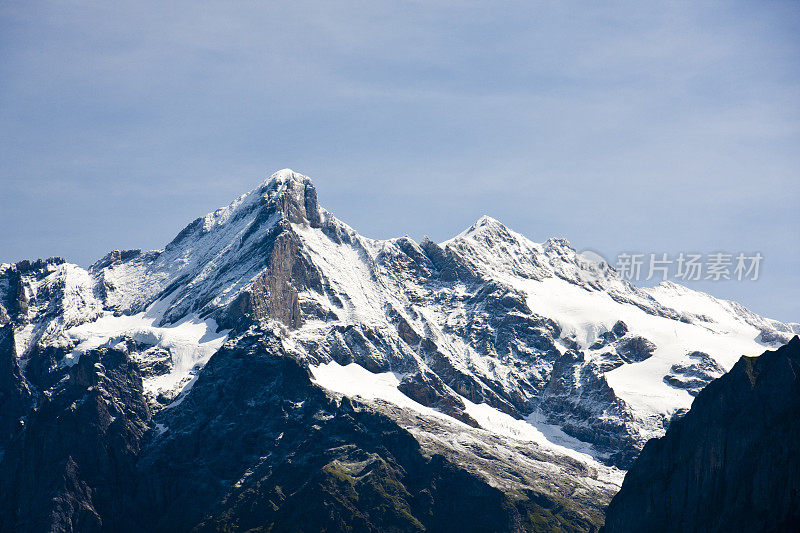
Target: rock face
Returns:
[[695, 375], [525, 372], [15, 397], [732, 463], [68, 469]]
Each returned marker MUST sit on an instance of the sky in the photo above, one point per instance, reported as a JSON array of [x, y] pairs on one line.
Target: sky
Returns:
[[649, 127]]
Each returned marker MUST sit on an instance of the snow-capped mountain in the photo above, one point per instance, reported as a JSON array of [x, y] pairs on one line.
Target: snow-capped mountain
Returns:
[[525, 364]]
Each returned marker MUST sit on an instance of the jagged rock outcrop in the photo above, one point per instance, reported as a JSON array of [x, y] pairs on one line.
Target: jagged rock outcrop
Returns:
[[579, 396], [273, 294], [732, 463], [694, 374], [429, 390]]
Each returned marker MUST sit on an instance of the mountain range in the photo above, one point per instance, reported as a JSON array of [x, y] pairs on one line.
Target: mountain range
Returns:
[[271, 368]]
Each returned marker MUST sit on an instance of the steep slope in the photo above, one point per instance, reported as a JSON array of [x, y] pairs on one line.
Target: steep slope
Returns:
[[731, 464], [15, 397]]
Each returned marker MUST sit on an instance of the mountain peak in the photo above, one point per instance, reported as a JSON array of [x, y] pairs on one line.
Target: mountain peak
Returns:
[[485, 224], [486, 220], [559, 244], [286, 175], [294, 195]]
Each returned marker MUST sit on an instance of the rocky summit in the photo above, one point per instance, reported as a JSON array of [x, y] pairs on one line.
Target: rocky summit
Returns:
[[271, 369]]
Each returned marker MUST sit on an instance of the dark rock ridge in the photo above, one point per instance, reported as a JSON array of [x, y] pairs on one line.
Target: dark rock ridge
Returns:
[[732, 463], [15, 397], [68, 467]]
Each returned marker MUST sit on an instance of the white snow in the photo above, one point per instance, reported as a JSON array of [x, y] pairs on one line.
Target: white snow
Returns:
[[724, 330], [586, 314], [355, 381], [347, 269], [582, 307], [500, 423], [75, 304], [190, 342]]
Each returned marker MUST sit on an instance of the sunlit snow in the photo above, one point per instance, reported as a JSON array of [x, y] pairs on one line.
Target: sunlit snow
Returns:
[[190, 342]]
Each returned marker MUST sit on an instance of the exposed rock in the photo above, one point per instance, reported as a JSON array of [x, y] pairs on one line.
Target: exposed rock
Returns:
[[635, 349], [579, 399], [15, 299], [15, 397], [74, 463], [609, 361], [489, 317], [430, 391], [695, 374], [274, 293], [618, 331], [256, 446]]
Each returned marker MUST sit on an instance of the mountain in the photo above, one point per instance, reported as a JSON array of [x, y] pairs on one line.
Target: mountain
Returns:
[[520, 369], [731, 464]]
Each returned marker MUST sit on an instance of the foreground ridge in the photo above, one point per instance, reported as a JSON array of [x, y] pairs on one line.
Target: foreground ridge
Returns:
[[731, 464]]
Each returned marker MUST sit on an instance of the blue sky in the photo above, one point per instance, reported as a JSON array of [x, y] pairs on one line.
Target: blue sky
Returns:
[[652, 127]]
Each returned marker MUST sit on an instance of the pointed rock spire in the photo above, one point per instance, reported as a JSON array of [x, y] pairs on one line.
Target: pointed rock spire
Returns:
[[295, 195]]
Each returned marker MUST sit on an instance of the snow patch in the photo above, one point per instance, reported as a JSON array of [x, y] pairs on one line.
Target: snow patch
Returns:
[[356, 382], [190, 343]]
